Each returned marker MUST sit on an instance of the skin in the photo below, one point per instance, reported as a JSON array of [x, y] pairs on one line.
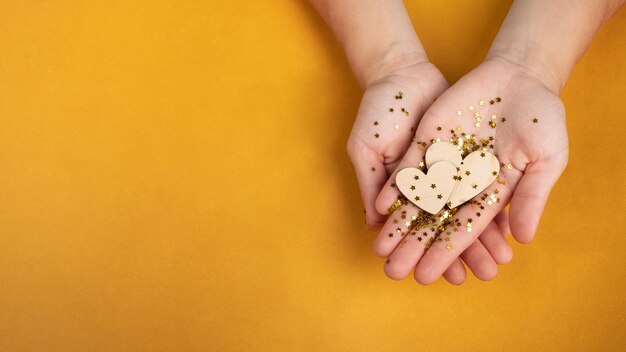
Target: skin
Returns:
[[385, 59], [527, 67]]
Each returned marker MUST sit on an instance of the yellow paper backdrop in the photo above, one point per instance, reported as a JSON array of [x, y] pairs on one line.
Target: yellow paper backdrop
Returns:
[[173, 177]]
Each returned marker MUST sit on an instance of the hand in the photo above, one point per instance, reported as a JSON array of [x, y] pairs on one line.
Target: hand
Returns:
[[399, 98], [530, 140]]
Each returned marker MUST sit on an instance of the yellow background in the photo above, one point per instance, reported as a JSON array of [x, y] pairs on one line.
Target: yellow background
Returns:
[[173, 177]]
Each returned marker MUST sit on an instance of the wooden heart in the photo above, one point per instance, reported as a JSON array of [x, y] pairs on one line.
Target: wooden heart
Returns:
[[443, 151], [431, 191], [478, 170]]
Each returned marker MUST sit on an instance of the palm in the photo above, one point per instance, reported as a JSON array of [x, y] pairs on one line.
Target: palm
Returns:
[[526, 121], [389, 113]]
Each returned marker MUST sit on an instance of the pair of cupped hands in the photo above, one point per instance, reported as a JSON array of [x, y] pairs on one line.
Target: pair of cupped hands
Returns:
[[530, 138]]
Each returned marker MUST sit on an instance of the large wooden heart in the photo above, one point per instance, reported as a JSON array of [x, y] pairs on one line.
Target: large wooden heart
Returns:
[[478, 170], [431, 191]]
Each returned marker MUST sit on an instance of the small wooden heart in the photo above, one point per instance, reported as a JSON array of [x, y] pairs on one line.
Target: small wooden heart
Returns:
[[478, 170], [431, 191], [443, 151]]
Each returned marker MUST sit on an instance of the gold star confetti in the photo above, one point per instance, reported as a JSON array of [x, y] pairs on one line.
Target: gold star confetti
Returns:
[[438, 128], [481, 103], [470, 108], [492, 124], [491, 102], [375, 123], [503, 119], [498, 99], [433, 186], [376, 135], [391, 110], [373, 169], [412, 188], [387, 261], [396, 126], [449, 247], [535, 120], [399, 95], [509, 166], [459, 113], [395, 206]]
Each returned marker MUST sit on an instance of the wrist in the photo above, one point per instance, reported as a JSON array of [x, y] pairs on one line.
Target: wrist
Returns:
[[530, 60], [396, 58]]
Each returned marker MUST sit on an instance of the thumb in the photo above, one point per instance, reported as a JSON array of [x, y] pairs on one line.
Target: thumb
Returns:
[[531, 194], [371, 176]]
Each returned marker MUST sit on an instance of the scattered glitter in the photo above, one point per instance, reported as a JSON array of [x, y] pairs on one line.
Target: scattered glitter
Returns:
[[395, 206]]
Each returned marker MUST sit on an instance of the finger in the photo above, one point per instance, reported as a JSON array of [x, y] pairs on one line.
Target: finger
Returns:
[[531, 195], [456, 273], [410, 248], [371, 176], [495, 243], [480, 261], [473, 221], [398, 226], [502, 220]]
